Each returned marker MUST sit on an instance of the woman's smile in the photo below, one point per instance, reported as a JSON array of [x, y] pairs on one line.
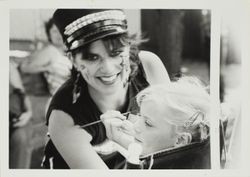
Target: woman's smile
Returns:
[[109, 79]]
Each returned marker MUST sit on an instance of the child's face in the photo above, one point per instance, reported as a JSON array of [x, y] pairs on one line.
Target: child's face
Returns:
[[152, 129]]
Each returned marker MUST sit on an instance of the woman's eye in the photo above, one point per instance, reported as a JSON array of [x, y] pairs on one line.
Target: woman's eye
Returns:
[[93, 57], [116, 53]]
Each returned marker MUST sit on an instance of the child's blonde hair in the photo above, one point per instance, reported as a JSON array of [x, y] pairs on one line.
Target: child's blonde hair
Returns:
[[189, 100]]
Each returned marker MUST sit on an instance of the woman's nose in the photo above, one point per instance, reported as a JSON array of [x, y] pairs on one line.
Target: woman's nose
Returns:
[[108, 64]]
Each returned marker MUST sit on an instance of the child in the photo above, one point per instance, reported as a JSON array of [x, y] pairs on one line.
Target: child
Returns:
[[172, 125]]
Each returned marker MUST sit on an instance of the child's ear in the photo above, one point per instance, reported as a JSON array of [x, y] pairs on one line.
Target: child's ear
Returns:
[[183, 138]]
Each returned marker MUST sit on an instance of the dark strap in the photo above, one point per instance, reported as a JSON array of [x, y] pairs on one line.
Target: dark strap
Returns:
[[192, 156], [133, 166]]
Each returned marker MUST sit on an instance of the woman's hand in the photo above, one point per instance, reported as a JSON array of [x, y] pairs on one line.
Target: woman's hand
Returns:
[[113, 121], [118, 128]]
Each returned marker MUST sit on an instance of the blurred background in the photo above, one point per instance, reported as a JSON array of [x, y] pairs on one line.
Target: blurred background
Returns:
[[181, 38], [230, 88]]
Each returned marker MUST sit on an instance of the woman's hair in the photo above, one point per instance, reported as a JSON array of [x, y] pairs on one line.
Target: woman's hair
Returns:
[[115, 42], [48, 25], [187, 98]]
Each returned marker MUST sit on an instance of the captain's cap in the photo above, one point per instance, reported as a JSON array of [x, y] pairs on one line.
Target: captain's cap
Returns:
[[82, 26]]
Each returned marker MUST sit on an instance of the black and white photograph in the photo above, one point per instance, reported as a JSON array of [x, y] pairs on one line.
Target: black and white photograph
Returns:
[[101, 87], [142, 100]]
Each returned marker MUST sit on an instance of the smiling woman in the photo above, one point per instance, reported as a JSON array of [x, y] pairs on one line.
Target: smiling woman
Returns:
[[108, 71], [104, 67]]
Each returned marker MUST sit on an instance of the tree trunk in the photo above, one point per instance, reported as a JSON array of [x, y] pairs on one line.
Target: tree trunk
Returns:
[[164, 29]]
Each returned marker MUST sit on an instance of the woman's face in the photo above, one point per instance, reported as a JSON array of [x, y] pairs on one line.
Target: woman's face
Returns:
[[152, 130], [104, 71]]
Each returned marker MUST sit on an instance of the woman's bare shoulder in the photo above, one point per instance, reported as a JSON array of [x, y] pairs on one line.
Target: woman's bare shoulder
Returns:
[[154, 68], [148, 57]]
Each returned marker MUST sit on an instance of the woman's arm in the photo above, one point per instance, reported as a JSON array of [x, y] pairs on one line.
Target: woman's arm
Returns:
[[73, 143], [155, 70]]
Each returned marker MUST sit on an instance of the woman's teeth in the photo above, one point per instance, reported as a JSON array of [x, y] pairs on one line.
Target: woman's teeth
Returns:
[[108, 78]]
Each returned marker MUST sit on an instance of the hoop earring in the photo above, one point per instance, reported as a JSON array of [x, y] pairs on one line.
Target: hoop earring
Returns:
[[76, 89]]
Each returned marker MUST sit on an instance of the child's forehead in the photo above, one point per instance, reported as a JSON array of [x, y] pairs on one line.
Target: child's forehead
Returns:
[[158, 108]]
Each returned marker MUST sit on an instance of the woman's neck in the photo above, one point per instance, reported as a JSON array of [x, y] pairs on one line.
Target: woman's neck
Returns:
[[112, 101]]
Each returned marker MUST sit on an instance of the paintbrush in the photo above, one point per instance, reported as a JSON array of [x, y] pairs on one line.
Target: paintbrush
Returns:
[[98, 121]]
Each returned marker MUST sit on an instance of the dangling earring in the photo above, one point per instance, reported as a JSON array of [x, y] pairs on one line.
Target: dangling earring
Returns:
[[125, 82], [123, 64], [127, 78], [76, 89]]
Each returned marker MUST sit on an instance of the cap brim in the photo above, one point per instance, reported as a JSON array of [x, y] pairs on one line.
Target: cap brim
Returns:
[[96, 36]]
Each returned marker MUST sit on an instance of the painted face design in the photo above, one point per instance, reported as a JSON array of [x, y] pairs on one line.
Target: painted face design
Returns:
[[104, 71], [152, 130]]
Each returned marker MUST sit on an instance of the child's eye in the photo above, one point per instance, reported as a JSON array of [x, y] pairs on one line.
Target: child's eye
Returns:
[[148, 123]]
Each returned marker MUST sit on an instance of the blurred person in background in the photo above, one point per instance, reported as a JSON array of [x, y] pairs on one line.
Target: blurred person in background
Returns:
[[231, 90], [50, 60], [20, 130]]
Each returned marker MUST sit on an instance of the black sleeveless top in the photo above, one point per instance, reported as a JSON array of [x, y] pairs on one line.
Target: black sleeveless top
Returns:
[[85, 111]]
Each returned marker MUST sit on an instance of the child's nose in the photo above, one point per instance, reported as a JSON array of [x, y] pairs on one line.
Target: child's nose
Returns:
[[138, 126]]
